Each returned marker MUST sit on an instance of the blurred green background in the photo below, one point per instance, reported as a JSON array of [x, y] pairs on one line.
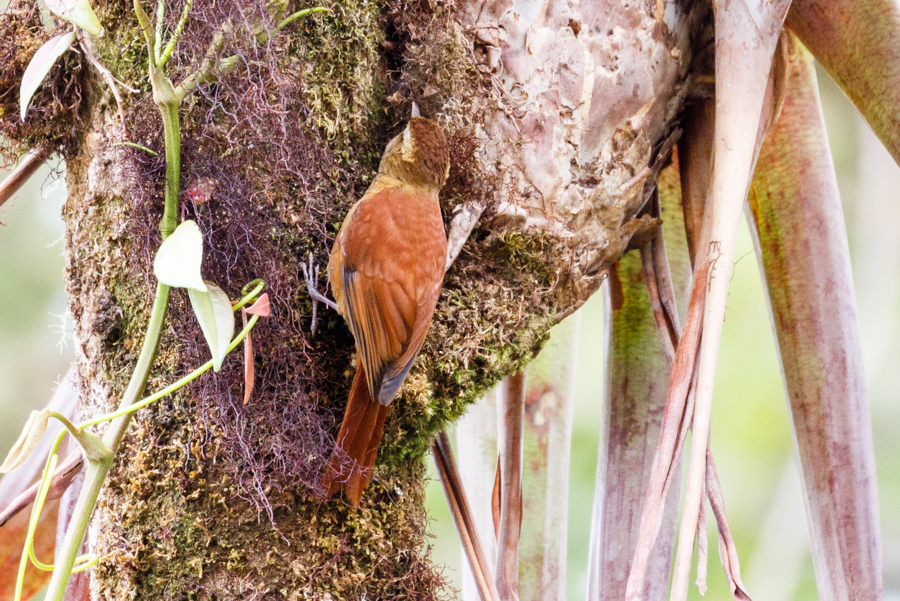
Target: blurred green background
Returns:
[[35, 335], [751, 432]]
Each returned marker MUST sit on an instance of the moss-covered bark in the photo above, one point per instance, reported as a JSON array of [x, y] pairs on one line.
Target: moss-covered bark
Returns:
[[212, 499]]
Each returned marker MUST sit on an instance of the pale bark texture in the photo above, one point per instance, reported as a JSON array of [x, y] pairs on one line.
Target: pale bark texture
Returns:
[[558, 115], [549, 401], [799, 226], [637, 373], [476, 441]]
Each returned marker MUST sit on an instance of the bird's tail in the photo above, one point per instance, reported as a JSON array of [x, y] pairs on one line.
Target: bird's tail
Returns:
[[350, 466]]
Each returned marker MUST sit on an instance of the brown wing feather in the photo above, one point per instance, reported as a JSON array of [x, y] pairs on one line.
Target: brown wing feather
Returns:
[[389, 260]]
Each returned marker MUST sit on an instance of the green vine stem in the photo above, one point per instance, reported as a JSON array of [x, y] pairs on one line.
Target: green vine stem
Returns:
[[160, 17], [149, 151], [301, 13], [165, 99], [212, 68], [170, 47], [97, 471], [99, 462], [212, 75]]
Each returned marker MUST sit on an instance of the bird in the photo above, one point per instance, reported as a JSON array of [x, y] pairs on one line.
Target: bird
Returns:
[[386, 270]]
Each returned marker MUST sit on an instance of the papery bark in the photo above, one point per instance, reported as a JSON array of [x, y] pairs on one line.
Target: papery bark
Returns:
[[549, 401], [805, 257], [569, 118]]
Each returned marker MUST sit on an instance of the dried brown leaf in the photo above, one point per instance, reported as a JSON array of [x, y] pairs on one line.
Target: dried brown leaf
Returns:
[[31, 434]]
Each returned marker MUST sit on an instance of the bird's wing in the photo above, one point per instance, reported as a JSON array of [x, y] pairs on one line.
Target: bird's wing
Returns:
[[375, 318], [391, 270]]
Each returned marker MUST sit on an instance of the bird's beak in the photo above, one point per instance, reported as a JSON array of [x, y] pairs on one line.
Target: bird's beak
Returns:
[[415, 110]]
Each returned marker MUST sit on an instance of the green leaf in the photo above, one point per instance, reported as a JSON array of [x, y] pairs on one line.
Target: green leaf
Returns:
[[213, 311], [78, 12], [178, 259], [31, 435], [92, 445], [41, 63]]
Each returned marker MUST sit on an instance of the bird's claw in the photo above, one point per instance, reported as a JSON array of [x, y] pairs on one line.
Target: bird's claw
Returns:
[[311, 275]]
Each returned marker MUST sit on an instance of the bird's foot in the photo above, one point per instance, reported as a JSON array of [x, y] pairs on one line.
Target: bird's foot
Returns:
[[311, 274]]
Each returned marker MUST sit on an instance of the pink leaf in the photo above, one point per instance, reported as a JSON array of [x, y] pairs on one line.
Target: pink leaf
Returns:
[[260, 307]]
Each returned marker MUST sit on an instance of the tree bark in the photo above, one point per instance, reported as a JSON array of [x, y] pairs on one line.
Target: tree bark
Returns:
[[558, 114]]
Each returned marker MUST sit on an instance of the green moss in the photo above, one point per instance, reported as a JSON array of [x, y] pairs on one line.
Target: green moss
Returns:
[[493, 317], [191, 538], [122, 49], [336, 56]]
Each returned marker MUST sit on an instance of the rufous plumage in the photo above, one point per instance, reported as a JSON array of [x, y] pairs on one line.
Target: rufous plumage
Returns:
[[386, 269]]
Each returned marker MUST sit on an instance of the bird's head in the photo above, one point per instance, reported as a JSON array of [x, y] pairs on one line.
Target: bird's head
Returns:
[[418, 156]]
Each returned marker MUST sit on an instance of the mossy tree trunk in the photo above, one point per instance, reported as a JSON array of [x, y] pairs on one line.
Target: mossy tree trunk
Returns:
[[558, 118]]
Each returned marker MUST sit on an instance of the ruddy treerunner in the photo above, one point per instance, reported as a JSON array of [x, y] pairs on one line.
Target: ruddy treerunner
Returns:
[[385, 271]]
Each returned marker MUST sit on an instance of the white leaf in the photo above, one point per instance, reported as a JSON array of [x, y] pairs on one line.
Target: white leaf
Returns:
[[213, 311], [41, 63], [178, 259], [78, 12], [31, 435]]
